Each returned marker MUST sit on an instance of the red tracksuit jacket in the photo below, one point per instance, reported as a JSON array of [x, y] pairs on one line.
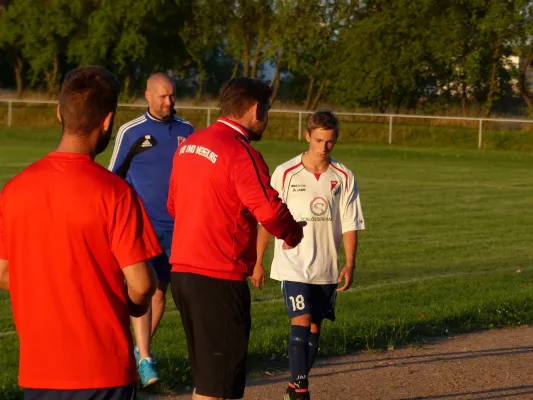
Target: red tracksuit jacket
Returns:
[[219, 190]]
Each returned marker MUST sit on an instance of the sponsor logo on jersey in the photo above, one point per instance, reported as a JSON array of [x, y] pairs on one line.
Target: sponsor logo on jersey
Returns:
[[319, 206], [298, 188]]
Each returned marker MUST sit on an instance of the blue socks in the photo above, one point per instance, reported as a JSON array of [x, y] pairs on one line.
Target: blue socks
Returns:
[[313, 350], [299, 355]]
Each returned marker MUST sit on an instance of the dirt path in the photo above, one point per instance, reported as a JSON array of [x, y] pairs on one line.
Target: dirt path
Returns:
[[489, 365]]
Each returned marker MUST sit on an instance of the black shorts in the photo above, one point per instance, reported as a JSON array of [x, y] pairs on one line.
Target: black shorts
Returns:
[[215, 314], [116, 393]]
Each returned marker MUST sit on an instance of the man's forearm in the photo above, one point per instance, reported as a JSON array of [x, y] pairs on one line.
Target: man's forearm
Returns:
[[263, 237], [4, 275], [350, 247]]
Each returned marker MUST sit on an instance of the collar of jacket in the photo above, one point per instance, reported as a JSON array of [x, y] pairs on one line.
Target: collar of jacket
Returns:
[[162, 121], [235, 126]]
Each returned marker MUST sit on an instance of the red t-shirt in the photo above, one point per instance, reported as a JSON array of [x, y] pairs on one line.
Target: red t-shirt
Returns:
[[67, 227]]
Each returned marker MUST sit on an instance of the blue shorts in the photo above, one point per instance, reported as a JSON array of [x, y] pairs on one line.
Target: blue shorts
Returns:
[[305, 298], [161, 263]]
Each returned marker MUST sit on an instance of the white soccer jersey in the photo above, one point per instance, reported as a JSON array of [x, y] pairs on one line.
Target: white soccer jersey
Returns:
[[329, 203]]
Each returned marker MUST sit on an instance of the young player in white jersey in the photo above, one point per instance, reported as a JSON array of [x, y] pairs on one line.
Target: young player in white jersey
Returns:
[[322, 192]]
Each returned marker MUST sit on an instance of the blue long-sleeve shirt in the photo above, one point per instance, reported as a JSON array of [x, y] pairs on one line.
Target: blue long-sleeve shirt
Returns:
[[149, 173]]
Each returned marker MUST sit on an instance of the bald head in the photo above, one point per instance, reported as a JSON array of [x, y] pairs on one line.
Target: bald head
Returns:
[[160, 94]]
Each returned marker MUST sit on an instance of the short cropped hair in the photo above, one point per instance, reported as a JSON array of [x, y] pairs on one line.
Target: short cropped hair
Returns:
[[239, 94], [323, 120], [87, 95]]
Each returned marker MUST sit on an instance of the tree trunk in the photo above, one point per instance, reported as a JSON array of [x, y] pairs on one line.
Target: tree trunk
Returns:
[[276, 81], [278, 70], [399, 103], [522, 84], [490, 97], [127, 82], [464, 98], [277, 84], [311, 85], [309, 94], [201, 79], [321, 88], [18, 76], [246, 55], [384, 100], [259, 46], [235, 69], [51, 78]]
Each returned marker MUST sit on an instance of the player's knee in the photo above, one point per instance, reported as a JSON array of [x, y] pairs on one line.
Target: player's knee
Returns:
[[301, 320]]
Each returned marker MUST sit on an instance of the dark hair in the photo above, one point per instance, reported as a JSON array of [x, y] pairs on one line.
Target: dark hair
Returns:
[[323, 120], [87, 95], [239, 94]]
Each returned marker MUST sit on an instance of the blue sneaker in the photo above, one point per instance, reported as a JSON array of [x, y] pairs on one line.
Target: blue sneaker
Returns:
[[137, 356], [147, 372]]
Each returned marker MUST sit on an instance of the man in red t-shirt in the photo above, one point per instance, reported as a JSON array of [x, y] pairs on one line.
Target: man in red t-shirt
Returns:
[[219, 190], [70, 233]]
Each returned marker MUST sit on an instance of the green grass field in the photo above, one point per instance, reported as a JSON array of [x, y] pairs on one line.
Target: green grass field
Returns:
[[447, 231]]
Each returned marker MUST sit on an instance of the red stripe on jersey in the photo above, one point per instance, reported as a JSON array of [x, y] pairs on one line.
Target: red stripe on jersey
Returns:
[[343, 172], [287, 171]]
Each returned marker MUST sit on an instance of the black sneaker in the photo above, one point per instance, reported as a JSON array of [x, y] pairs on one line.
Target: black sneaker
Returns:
[[301, 384], [289, 393]]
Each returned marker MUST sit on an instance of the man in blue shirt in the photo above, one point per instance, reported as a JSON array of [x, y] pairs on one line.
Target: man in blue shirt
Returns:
[[143, 154]]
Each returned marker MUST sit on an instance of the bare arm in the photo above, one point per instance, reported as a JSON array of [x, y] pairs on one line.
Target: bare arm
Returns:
[[263, 238], [141, 285], [350, 247], [4, 275], [258, 276]]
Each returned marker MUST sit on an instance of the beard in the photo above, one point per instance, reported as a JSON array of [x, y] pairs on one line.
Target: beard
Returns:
[[255, 133], [104, 140]]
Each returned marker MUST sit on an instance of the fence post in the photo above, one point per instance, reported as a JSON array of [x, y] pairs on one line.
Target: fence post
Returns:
[[299, 126], [208, 116], [390, 129], [480, 135], [9, 113]]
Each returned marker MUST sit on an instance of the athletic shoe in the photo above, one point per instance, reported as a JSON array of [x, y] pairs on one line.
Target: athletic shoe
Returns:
[[289, 393], [137, 356], [147, 372]]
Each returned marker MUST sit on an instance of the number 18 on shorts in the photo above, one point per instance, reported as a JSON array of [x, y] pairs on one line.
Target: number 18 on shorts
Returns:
[[304, 298]]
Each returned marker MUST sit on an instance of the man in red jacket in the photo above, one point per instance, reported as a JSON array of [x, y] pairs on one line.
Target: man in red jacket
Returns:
[[219, 190]]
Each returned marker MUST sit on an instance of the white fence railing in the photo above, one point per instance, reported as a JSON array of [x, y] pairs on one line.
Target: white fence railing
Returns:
[[389, 117]]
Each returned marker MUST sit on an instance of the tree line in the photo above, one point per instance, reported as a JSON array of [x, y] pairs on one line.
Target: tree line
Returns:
[[453, 56]]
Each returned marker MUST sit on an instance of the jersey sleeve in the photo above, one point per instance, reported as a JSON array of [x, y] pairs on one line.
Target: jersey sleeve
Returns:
[[252, 183], [3, 246], [120, 150], [132, 236], [352, 214]]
